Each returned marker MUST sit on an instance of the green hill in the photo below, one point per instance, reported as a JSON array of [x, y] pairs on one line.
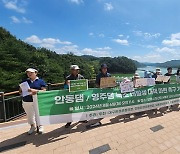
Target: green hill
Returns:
[[172, 63], [16, 56]]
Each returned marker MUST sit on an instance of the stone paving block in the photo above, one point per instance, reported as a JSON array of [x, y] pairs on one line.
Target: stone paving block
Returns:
[[101, 149]]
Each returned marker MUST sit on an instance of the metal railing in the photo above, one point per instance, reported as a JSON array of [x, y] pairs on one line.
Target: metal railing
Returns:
[[10, 106], [11, 103]]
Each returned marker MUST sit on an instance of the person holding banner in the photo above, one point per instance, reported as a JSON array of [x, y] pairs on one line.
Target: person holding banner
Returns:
[[135, 77], [74, 70], [178, 76], [103, 73], [31, 86], [158, 72], [147, 74], [169, 73]]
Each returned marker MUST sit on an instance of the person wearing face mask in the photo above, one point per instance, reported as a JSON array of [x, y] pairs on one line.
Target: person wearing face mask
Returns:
[[35, 85]]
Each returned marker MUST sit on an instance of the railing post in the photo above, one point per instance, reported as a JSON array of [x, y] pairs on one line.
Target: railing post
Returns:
[[2, 107], [49, 86]]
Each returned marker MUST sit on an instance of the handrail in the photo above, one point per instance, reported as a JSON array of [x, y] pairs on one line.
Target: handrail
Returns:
[[11, 93], [56, 84], [61, 83], [51, 84]]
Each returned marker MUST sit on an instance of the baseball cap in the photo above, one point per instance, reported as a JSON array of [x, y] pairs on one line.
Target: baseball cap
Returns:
[[74, 67], [158, 70], [104, 66], [31, 70], [136, 75]]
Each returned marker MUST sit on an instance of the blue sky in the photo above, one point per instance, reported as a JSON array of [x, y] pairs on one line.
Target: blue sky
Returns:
[[144, 30]]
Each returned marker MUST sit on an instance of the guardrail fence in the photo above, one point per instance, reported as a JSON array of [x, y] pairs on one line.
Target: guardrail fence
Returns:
[[10, 106]]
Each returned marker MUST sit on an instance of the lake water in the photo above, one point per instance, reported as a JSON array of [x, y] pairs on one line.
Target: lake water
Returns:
[[153, 68]]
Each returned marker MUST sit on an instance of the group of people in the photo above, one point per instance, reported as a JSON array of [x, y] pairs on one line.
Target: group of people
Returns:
[[37, 85], [150, 74]]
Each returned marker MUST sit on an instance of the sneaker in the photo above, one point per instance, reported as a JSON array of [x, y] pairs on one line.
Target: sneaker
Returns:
[[84, 121], [41, 130], [96, 124], [68, 125], [32, 129]]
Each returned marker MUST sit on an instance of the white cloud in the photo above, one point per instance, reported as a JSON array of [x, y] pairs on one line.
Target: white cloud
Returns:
[[97, 53], [174, 40], [108, 6], [46, 41], [20, 20], [122, 42], [96, 35], [76, 1], [50, 40], [65, 42], [150, 57], [147, 35], [15, 5], [138, 33], [171, 42], [175, 36], [121, 35], [166, 50], [27, 21], [151, 46], [105, 48], [33, 39], [91, 34], [15, 19], [48, 46], [67, 49], [63, 47], [101, 35], [159, 55]]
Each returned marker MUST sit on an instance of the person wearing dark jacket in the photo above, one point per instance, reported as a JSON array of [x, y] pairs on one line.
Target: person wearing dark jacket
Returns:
[[103, 73], [169, 73], [155, 75]]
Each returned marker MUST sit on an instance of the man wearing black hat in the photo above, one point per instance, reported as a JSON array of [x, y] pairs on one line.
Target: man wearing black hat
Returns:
[[103, 73], [169, 73]]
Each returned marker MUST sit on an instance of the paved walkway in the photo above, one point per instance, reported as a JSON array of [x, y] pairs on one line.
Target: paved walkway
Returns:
[[124, 136]]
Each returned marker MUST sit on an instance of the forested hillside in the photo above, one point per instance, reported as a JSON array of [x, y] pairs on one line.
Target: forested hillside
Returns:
[[16, 56], [172, 63]]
